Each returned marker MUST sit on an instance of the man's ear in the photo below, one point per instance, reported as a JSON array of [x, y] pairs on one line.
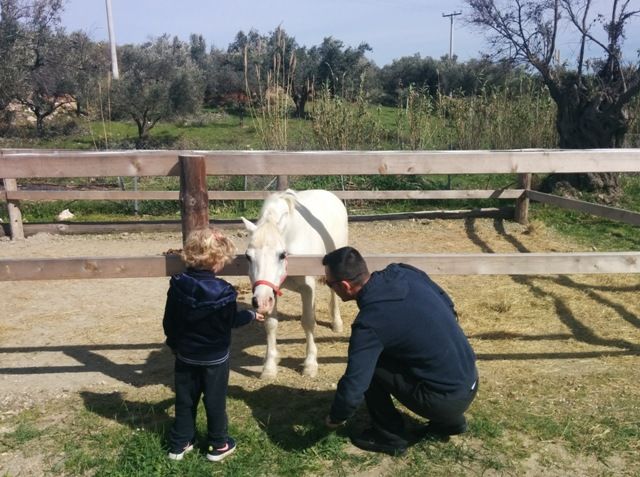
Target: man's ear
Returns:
[[348, 286]]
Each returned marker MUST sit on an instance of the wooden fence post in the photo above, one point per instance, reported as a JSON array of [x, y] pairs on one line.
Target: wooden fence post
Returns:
[[194, 197], [15, 216], [521, 214], [282, 183]]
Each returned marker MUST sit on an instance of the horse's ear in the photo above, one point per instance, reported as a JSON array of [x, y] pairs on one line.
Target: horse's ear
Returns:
[[250, 226], [291, 198]]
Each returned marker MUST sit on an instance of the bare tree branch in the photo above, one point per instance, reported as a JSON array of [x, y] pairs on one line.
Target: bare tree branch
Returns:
[[591, 107]]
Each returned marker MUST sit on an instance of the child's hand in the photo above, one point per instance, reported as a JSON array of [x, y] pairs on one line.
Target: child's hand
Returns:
[[259, 317]]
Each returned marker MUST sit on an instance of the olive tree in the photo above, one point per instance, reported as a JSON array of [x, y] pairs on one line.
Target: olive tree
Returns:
[[591, 94], [332, 64], [88, 66], [159, 80], [34, 54]]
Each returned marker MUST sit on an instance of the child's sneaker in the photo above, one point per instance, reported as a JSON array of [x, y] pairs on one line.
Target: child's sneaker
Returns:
[[179, 454], [217, 454]]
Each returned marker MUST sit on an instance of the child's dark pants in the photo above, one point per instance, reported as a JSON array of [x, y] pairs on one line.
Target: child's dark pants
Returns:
[[191, 382]]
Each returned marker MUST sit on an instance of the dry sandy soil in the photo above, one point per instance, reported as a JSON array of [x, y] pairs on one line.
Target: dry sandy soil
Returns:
[[61, 338]]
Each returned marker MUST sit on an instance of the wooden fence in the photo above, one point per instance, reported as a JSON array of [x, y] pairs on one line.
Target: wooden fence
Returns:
[[17, 164]]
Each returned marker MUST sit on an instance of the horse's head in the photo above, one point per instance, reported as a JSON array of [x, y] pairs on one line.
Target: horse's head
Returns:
[[267, 257]]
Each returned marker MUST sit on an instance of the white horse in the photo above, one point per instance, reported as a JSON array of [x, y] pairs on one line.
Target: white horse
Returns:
[[293, 223]]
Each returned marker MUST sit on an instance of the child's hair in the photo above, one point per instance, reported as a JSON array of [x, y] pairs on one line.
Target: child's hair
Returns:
[[207, 249]]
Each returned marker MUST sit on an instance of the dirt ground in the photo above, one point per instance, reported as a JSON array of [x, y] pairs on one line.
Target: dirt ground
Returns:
[[61, 338]]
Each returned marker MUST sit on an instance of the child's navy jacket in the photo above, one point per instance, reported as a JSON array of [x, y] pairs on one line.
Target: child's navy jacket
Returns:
[[200, 312]]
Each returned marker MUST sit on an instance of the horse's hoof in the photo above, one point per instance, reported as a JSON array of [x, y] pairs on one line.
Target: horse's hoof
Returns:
[[269, 374], [310, 371]]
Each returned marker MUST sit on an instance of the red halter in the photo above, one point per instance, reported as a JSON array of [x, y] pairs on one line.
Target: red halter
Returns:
[[273, 286]]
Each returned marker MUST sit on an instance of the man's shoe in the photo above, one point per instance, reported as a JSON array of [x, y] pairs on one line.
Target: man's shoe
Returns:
[[374, 441], [440, 432], [178, 454], [216, 454]]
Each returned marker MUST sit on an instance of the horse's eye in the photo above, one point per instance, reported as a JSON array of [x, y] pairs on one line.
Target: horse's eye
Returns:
[[283, 255], [246, 255]]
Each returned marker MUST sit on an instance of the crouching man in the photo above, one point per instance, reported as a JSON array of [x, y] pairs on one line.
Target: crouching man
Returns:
[[405, 342]]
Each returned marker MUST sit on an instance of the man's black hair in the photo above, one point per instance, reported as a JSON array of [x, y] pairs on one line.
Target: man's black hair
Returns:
[[346, 263]]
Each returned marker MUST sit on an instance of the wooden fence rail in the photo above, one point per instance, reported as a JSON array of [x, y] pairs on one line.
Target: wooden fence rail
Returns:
[[16, 164], [435, 264], [48, 195]]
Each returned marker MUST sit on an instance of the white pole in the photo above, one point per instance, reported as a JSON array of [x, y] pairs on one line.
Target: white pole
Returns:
[[112, 42], [451, 38], [451, 15]]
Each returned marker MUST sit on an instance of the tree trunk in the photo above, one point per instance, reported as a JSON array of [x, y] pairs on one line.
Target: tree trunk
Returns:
[[588, 120], [300, 101], [300, 98], [40, 125], [143, 133]]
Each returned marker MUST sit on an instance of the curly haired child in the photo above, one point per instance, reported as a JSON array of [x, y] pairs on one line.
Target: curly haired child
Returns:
[[200, 312]]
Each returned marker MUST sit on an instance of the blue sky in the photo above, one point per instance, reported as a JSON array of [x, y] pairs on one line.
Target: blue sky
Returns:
[[393, 28]]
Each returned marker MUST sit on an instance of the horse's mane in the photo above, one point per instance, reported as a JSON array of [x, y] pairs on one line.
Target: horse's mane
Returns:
[[272, 210], [271, 217], [290, 197]]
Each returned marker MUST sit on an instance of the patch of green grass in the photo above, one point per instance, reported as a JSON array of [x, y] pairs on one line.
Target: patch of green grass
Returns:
[[83, 210], [214, 131], [484, 426], [451, 458], [593, 232], [24, 432]]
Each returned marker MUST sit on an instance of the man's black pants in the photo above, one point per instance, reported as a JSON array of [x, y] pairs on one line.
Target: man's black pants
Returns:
[[391, 379], [211, 383]]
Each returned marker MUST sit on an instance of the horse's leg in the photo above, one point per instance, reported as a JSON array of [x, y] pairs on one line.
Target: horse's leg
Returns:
[[307, 292], [270, 369], [334, 309]]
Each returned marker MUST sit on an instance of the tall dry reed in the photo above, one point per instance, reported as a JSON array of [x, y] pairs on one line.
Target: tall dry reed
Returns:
[[342, 123], [271, 103], [500, 118]]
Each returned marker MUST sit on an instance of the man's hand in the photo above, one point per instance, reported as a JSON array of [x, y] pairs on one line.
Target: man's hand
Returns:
[[259, 317], [333, 425]]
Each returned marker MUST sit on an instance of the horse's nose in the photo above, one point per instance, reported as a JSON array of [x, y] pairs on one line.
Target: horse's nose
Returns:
[[254, 302]]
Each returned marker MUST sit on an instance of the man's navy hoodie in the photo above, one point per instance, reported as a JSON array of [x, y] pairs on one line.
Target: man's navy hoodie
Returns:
[[201, 310], [406, 317]]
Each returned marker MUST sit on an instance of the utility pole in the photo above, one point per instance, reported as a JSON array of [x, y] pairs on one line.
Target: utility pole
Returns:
[[115, 74], [451, 15], [112, 41]]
